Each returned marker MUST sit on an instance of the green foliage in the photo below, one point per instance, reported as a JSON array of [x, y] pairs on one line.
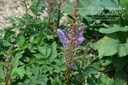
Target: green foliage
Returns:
[[36, 58], [113, 29], [36, 7], [112, 43], [90, 7], [107, 46], [104, 80]]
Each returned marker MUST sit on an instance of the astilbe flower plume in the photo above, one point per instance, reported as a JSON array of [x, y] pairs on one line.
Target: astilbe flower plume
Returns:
[[65, 38]]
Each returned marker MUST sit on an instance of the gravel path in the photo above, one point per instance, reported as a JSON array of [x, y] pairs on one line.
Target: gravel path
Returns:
[[16, 8], [9, 8]]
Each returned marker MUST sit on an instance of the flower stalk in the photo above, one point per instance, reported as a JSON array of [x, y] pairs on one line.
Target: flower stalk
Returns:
[[59, 12], [8, 66], [70, 42], [76, 9], [49, 10]]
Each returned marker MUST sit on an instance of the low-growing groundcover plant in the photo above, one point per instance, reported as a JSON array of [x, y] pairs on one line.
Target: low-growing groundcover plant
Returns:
[[45, 52]]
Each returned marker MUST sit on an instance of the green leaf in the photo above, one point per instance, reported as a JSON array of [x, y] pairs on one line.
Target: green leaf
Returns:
[[91, 70], [1, 31], [21, 41], [104, 80], [20, 71], [35, 7], [35, 70], [45, 68], [16, 60], [107, 46], [112, 44], [119, 62], [120, 74], [9, 34], [6, 43], [123, 49], [42, 79], [110, 3], [56, 81], [119, 82], [48, 51], [2, 75], [115, 28], [31, 40], [68, 8], [37, 80], [42, 50], [2, 83], [39, 56], [106, 62], [54, 52], [90, 7], [28, 71], [42, 8]]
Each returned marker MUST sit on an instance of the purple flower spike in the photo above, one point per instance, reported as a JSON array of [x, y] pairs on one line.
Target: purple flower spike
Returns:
[[63, 36], [79, 40], [79, 37], [81, 28]]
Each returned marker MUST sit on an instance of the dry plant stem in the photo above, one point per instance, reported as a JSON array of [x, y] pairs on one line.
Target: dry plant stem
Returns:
[[7, 74], [49, 20], [69, 57], [59, 11], [8, 65], [49, 12], [68, 75], [71, 44], [25, 6], [76, 10]]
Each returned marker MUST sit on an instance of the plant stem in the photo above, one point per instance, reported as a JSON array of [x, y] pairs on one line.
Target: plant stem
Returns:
[[25, 7], [7, 67], [49, 21], [59, 10], [72, 46], [7, 74], [68, 75], [50, 7], [68, 64], [76, 10], [69, 55]]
